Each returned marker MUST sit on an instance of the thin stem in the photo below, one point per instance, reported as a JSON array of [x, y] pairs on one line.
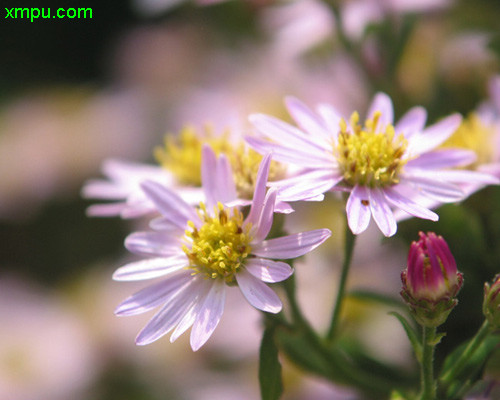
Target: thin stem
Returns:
[[349, 239], [427, 364], [473, 345]]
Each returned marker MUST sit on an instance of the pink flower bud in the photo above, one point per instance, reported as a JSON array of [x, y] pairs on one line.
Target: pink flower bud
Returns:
[[431, 280]]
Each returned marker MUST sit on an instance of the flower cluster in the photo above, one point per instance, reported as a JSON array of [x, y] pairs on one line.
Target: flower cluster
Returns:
[[203, 242]]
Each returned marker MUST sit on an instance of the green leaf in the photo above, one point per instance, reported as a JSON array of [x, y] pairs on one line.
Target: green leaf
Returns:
[[412, 335], [271, 384]]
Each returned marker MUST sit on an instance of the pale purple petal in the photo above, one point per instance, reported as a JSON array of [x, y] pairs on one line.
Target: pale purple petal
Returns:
[[296, 156], [412, 122], [266, 217], [291, 246], [137, 209], [406, 204], [309, 122], [466, 177], [383, 104], [150, 268], [208, 176], [170, 204], [133, 173], [268, 270], [209, 315], [332, 120], [283, 207], [259, 191], [306, 185], [162, 244], [257, 293], [433, 136], [164, 224], [226, 188], [381, 212], [281, 132], [442, 191], [106, 210], [444, 158], [171, 313], [153, 295], [99, 189], [358, 210]]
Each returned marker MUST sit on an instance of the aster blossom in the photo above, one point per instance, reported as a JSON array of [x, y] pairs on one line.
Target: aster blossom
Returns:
[[199, 251], [383, 166]]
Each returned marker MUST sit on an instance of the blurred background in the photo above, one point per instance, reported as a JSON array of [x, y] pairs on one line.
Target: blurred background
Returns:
[[74, 92]]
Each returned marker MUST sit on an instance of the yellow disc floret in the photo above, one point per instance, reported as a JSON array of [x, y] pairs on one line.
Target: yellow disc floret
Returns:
[[245, 164], [181, 155], [368, 157], [219, 247], [474, 134]]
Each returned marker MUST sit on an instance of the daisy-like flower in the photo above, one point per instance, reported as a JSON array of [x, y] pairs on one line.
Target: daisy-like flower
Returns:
[[384, 167], [180, 168], [202, 250]]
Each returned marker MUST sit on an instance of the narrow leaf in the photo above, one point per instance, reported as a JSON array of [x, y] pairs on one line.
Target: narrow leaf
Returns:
[[412, 335], [271, 384]]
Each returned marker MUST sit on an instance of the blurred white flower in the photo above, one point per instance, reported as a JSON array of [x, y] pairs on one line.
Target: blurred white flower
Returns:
[[45, 350]]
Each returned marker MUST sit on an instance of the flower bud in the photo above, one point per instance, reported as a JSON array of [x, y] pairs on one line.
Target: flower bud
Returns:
[[431, 280], [491, 303]]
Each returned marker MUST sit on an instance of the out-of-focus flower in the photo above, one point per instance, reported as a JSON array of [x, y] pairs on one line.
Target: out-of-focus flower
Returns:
[[298, 26], [45, 351], [491, 303], [383, 166], [180, 160], [204, 249], [49, 142], [431, 280]]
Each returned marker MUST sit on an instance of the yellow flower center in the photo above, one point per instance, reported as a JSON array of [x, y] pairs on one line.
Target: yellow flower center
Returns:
[[367, 157], [219, 247], [182, 156], [473, 134]]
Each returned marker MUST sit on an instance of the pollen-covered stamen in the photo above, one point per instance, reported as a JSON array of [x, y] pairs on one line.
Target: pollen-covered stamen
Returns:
[[219, 247], [369, 157]]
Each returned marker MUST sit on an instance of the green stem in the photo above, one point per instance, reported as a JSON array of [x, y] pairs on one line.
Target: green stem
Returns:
[[473, 345], [349, 239], [427, 364]]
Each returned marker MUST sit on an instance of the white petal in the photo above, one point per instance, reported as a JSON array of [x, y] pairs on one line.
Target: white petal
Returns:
[[408, 205], [209, 315], [257, 293], [150, 268], [153, 295], [169, 204], [383, 104], [162, 244], [171, 313], [433, 136], [291, 246], [268, 270], [381, 212], [412, 122], [358, 214]]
